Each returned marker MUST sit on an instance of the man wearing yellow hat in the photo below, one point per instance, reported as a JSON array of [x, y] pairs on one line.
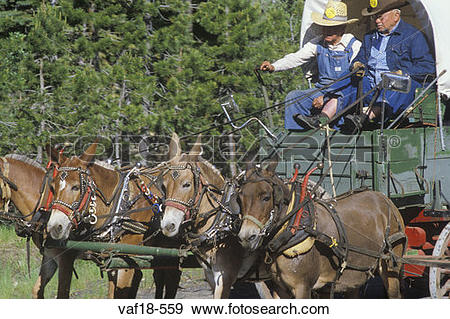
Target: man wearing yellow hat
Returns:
[[333, 51]]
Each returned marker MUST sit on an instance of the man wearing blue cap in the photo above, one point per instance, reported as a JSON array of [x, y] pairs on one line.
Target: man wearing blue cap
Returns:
[[394, 46]]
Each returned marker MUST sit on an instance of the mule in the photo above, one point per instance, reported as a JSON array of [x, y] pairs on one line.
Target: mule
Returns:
[[28, 176], [373, 226], [194, 210], [84, 189]]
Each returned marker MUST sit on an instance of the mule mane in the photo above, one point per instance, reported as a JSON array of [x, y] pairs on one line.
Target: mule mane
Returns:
[[260, 173], [211, 167], [186, 158], [256, 174], [75, 161], [160, 165], [104, 165], [23, 158]]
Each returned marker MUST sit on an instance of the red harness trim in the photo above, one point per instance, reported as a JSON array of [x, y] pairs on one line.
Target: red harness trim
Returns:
[[185, 209], [49, 200], [181, 207], [299, 214], [66, 211], [295, 175], [50, 193], [85, 198]]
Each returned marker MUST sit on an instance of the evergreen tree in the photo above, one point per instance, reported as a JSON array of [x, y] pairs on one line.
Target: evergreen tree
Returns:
[[118, 68]]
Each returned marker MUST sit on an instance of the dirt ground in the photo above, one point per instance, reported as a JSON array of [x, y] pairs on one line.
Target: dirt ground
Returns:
[[194, 286]]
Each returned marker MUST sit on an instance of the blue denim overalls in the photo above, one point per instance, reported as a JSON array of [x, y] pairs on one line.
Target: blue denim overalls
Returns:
[[331, 66]]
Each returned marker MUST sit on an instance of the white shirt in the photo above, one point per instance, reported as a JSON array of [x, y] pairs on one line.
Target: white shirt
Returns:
[[309, 52]]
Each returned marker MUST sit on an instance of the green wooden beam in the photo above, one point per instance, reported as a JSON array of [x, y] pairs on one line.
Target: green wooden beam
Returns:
[[125, 248]]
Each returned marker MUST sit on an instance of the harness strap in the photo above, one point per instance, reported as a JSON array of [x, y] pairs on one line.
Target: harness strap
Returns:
[[170, 202], [5, 184], [28, 257], [255, 221], [220, 228], [85, 198], [341, 247], [67, 212], [342, 234], [134, 227], [45, 183], [302, 198], [5, 176]]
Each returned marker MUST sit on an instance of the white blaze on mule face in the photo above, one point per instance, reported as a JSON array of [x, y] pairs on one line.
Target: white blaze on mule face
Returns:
[[58, 225], [171, 221], [62, 185]]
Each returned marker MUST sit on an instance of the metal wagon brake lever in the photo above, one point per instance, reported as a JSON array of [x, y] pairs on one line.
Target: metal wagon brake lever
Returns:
[[224, 108]]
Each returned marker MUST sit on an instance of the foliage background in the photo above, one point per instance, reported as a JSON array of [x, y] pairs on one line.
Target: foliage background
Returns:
[[129, 70]]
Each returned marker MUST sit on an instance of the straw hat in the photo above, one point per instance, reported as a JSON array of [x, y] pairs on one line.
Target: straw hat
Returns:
[[381, 6], [335, 14]]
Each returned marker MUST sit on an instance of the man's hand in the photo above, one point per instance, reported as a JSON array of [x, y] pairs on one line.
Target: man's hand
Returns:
[[362, 69], [266, 66], [318, 102]]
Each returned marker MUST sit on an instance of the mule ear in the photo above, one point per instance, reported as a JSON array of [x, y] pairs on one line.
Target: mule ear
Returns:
[[89, 153], [54, 154], [174, 146], [249, 166], [197, 149], [273, 163]]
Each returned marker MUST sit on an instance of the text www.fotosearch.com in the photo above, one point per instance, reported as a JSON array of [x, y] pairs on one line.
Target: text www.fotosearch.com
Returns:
[[230, 309], [241, 309]]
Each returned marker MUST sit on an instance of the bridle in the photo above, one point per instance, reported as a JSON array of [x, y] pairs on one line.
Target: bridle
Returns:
[[223, 218], [84, 209], [190, 207], [277, 198]]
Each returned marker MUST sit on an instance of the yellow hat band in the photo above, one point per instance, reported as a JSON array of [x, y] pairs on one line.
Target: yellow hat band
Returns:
[[335, 18]]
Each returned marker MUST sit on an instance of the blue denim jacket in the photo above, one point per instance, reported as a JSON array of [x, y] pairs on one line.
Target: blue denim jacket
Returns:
[[407, 50]]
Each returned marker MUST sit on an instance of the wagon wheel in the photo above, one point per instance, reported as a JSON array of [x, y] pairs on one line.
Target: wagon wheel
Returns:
[[439, 280]]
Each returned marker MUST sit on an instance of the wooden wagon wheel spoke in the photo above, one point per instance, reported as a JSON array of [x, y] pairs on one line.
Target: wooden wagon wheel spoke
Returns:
[[439, 281]]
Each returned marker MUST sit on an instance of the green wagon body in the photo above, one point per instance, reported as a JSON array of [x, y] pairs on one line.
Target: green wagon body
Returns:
[[407, 164]]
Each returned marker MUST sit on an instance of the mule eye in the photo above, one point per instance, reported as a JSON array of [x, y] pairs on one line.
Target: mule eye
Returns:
[[266, 198], [75, 188], [187, 184]]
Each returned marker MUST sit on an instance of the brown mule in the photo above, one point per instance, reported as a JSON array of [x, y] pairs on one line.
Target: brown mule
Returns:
[[193, 192], [370, 221], [27, 175], [84, 189]]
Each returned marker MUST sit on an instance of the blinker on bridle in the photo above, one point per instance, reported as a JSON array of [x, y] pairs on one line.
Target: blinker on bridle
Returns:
[[87, 201], [186, 207], [244, 179]]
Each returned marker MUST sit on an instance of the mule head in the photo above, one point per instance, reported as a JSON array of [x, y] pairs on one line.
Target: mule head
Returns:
[[181, 182], [261, 193], [73, 188]]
